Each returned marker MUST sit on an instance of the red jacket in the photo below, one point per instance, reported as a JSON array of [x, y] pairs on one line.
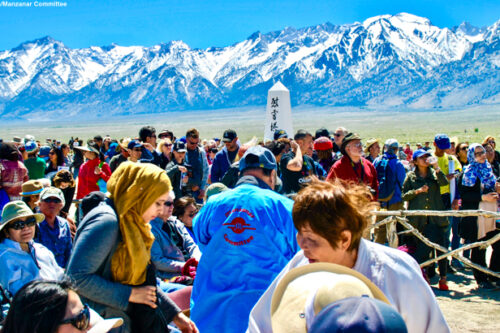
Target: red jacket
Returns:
[[87, 179], [343, 169]]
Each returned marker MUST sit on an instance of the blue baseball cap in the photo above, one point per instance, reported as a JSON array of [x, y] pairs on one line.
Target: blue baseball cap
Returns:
[[358, 314], [258, 157], [420, 152], [279, 133], [442, 141], [134, 144], [44, 152]]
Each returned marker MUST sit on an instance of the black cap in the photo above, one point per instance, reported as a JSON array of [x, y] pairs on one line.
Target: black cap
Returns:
[[322, 132], [229, 135], [279, 133], [348, 138], [301, 134], [180, 146]]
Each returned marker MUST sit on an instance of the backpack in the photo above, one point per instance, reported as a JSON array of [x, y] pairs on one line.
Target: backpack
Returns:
[[387, 179]]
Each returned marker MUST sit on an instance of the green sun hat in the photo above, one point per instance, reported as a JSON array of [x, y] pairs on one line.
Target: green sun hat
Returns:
[[16, 209]]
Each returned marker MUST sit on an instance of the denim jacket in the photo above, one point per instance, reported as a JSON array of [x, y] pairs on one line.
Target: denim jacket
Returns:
[[165, 255], [19, 267]]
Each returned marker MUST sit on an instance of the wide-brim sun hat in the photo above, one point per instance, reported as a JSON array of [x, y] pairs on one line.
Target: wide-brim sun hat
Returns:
[[304, 291], [89, 147], [17, 209], [101, 325]]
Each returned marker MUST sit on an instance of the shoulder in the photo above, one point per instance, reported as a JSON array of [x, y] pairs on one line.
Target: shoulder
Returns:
[[393, 262], [102, 217]]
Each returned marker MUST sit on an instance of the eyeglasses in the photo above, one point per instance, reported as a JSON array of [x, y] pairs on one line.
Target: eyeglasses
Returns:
[[169, 203], [52, 200], [491, 142], [357, 145], [81, 321], [479, 153], [19, 224]]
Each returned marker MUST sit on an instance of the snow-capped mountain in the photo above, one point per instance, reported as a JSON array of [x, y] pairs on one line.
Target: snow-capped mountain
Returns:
[[385, 61]]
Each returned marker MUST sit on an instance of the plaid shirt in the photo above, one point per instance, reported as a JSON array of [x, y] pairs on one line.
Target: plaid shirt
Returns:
[[12, 176]]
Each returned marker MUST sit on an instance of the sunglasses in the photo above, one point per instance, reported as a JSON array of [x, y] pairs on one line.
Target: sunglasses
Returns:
[[491, 142], [51, 153], [464, 148], [52, 200], [169, 203], [192, 214], [137, 149], [357, 145], [81, 321], [480, 153], [19, 225], [192, 143], [337, 134]]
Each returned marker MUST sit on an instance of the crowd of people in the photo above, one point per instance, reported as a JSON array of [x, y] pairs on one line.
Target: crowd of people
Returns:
[[158, 232]]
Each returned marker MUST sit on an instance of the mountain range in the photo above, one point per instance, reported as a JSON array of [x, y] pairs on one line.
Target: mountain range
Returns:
[[388, 61]]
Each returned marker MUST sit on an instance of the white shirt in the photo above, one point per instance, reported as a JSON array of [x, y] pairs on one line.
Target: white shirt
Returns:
[[396, 273]]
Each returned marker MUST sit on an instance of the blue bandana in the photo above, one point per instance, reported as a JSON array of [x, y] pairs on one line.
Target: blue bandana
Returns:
[[475, 169]]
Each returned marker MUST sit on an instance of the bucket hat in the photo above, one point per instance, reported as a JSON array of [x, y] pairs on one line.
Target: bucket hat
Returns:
[[16, 209]]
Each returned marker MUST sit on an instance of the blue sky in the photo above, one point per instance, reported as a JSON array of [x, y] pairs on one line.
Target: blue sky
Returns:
[[205, 23]]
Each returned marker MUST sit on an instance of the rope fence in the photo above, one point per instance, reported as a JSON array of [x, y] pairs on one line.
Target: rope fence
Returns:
[[399, 216]]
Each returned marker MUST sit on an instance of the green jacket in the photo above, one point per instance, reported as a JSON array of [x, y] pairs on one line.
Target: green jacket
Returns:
[[425, 201]]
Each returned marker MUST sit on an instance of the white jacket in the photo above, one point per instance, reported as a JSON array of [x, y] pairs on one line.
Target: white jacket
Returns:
[[396, 273]]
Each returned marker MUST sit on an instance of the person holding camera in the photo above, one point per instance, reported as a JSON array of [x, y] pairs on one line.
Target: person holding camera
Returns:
[[178, 171], [353, 167], [422, 191]]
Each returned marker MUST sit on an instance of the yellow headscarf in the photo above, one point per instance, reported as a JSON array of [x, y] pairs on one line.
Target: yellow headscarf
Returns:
[[134, 188]]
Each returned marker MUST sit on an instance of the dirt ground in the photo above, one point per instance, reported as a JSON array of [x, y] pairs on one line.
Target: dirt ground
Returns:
[[466, 308]]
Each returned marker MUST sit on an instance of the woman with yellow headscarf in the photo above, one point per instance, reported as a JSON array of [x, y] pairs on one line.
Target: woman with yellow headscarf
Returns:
[[110, 262]]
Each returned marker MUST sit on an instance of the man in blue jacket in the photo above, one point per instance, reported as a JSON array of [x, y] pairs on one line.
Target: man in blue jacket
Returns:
[[226, 156], [391, 175], [246, 236]]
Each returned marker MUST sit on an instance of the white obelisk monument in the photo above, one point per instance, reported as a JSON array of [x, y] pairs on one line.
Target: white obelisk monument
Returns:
[[278, 111]]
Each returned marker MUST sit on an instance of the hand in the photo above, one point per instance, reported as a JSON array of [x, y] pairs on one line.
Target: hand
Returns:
[[497, 186], [189, 268], [294, 145], [182, 168], [195, 188], [423, 189], [143, 295], [455, 205], [184, 323], [202, 194], [450, 176], [148, 146], [97, 170], [490, 197]]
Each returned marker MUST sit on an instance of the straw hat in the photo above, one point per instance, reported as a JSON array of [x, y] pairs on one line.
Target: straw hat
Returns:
[[16, 209], [101, 325], [369, 143], [305, 291]]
